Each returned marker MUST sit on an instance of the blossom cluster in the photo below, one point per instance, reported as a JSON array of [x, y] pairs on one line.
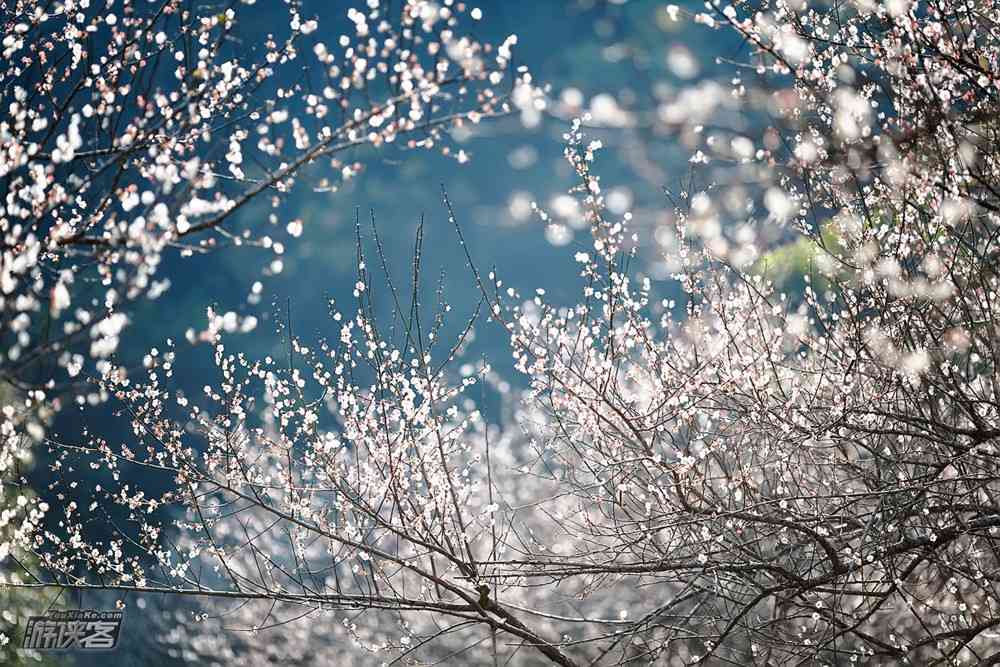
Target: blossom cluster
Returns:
[[745, 472]]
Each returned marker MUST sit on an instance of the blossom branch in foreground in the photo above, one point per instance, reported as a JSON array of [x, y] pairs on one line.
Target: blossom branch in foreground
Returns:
[[741, 475]]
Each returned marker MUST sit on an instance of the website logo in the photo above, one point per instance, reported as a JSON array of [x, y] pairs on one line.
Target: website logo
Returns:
[[74, 630]]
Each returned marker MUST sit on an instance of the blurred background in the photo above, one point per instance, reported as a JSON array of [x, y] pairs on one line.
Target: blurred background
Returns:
[[623, 61]]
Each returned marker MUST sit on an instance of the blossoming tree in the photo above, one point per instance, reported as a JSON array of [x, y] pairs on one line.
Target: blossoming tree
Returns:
[[739, 476], [136, 133]]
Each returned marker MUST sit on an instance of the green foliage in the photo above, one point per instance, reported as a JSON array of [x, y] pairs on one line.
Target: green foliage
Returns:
[[16, 605], [788, 264]]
